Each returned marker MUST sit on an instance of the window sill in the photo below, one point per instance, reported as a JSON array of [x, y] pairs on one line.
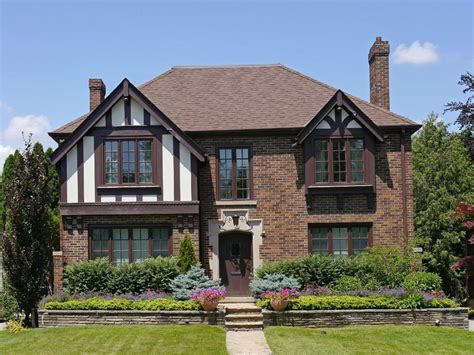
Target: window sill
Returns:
[[236, 203], [124, 189], [341, 189]]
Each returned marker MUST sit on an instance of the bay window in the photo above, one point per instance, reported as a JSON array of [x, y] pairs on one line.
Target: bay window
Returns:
[[342, 240], [129, 244]]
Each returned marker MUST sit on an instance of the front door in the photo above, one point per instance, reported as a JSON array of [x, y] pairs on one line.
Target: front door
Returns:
[[235, 262]]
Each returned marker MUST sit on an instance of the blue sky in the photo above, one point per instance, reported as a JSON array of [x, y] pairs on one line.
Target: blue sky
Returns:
[[50, 49]]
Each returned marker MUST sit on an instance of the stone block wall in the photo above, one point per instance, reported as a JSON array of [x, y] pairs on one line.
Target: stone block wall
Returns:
[[451, 317]]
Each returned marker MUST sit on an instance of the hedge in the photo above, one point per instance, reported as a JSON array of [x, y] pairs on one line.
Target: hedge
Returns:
[[356, 302], [101, 276], [379, 267], [162, 304]]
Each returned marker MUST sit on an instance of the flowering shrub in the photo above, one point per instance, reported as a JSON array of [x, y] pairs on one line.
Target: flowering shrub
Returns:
[[315, 290], [285, 294], [208, 294]]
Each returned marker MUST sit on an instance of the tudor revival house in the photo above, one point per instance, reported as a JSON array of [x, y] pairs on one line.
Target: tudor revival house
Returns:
[[256, 163]]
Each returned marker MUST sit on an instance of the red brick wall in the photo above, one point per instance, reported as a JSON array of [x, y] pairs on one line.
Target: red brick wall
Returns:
[[75, 244], [278, 174]]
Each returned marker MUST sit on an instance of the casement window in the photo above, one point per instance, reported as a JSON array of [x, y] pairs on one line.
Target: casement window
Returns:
[[234, 178], [128, 161], [123, 245], [339, 240], [339, 160]]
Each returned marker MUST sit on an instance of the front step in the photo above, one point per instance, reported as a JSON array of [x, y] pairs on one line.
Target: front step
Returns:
[[243, 325], [242, 314]]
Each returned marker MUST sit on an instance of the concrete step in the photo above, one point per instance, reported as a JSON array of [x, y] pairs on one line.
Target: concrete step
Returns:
[[242, 308], [244, 317], [243, 325], [237, 300]]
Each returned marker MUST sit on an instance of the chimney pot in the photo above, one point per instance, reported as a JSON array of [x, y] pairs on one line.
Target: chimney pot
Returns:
[[96, 93], [379, 73]]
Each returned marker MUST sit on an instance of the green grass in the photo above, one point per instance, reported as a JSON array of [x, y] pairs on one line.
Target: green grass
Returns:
[[370, 339], [164, 339]]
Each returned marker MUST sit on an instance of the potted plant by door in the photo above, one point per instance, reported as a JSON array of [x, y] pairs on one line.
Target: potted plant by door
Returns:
[[209, 298], [279, 299]]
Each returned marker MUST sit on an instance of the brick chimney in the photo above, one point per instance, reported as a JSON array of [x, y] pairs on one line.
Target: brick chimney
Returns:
[[96, 93], [379, 79]]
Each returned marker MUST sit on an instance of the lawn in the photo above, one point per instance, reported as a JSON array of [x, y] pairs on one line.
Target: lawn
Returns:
[[370, 339], [164, 339]]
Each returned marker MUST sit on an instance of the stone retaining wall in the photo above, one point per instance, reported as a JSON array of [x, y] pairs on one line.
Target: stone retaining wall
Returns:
[[59, 318], [451, 317]]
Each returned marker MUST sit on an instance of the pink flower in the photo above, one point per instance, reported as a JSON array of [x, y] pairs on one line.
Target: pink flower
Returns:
[[284, 294], [208, 294]]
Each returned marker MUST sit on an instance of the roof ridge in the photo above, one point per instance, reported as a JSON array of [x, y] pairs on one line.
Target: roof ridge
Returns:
[[405, 119], [156, 78], [226, 66]]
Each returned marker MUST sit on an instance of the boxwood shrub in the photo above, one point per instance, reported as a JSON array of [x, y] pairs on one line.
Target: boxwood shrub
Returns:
[[161, 304], [356, 302], [101, 276]]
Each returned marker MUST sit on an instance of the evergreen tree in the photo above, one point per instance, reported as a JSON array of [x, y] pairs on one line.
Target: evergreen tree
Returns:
[[443, 176], [5, 177], [186, 256], [27, 245]]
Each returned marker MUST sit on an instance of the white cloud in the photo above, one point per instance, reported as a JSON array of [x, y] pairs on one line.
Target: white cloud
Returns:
[[416, 53], [20, 126]]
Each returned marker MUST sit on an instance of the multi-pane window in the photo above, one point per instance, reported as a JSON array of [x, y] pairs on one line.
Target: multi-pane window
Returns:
[[120, 245], [100, 243], [234, 173], [357, 160], [145, 171], [123, 245], [333, 164], [128, 161], [322, 160], [319, 239], [140, 243], [360, 239], [225, 174], [339, 240], [160, 237], [111, 162]]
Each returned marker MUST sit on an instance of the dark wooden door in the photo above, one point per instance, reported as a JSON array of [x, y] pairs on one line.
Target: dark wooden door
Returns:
[[235, 262]]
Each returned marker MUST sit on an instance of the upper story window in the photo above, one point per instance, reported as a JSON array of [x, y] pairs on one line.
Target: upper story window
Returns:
[[234, 173], [339, 160], [128, 161]]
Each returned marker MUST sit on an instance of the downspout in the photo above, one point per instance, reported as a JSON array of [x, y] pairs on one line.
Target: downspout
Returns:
[[404, 184]]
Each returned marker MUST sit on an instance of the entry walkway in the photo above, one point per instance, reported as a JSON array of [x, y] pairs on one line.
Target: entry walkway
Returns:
[[244, 327]]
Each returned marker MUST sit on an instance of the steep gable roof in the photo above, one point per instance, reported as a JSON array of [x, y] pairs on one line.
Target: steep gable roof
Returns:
[[125, 89], [229, 98]]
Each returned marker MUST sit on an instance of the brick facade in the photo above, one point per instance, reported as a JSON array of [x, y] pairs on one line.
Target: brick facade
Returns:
[[75, 243], [279, 191]]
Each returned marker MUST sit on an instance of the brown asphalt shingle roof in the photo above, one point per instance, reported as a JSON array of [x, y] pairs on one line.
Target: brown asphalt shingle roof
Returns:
[[244, 97]]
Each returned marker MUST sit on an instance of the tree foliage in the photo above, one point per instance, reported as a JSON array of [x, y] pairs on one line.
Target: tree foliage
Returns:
[[443, 175], [186, 256], [27, 249], [5, 177], [465, 109]]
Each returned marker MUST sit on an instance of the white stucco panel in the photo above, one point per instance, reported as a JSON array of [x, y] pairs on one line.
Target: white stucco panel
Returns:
[[185, 173], [89, 169], [72, 176], [136, 113], [168, 168], [118, 114]]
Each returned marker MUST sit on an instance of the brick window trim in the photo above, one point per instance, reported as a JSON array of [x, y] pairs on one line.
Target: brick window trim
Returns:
[[234, 179], [130, 240], [339, 225]]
